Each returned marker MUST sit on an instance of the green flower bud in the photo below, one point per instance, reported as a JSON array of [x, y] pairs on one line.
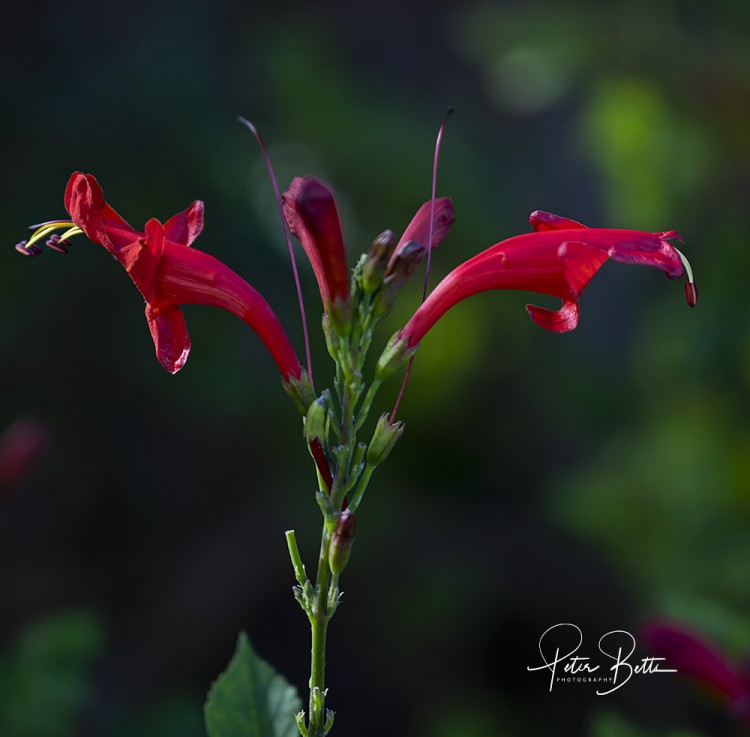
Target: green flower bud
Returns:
[[398, 273], [342, 540], [383, 439], [315, 420], [377, 259]]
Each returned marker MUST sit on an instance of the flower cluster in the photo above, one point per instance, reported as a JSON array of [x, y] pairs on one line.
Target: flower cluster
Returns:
[[559, 258]]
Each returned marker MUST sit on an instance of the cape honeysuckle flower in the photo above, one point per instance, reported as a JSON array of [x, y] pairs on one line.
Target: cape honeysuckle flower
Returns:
[[697, 659], [310, 211], [168, 273], [559, 258]]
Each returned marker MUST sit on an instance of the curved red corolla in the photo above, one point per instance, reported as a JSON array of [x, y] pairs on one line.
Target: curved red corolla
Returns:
[[169, 273]]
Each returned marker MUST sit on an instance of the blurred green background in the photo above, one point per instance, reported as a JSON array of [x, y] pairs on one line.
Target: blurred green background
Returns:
[[600, 477]]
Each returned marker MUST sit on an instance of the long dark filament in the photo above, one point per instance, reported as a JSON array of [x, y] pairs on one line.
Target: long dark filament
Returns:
[[429, 250], [288, 236]]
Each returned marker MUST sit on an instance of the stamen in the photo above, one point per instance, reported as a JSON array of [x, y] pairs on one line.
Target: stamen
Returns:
[[23, 250], [429, 250], [57, 244], [50, 222], [691, 288], [56, 241], [288, 236], [432, 199]]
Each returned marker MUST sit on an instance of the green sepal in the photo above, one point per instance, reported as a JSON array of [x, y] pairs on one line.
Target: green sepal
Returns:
[[300, 719], [384, 437], [324, 502], [395, 355], [300, 391], [339, 313]]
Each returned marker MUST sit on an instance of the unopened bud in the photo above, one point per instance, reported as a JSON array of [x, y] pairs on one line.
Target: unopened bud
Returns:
[[386, 435], [315, 420], [342, 539], [397, 274], [395, 355], [377, 259]]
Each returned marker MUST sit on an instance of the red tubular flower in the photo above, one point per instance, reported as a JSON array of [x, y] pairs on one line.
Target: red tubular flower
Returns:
[[560, 258], [311, 213], [168, 273], [696, 659]]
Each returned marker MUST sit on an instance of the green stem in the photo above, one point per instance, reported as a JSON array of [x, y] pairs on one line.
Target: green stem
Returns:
[[367, 403], [299, 568], [361, 487], [319, 617]]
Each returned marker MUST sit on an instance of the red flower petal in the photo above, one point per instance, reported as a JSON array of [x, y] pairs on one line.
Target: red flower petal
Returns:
[[85, 203], [170, 334], [557, 321], [541, 220], [419, 228], [185, 226]]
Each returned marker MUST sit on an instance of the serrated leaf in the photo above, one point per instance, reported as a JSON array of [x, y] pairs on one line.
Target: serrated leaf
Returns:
[[250, 699]]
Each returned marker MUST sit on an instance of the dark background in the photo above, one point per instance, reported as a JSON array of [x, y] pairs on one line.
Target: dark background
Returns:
[[600, 477]]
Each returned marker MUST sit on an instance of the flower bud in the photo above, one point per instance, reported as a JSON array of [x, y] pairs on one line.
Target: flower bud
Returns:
[[315, 420], [377, 259], [342, 540], [386, 435], [397, 274]]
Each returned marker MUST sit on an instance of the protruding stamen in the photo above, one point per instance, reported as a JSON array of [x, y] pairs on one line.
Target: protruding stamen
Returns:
[[432, 199], [45, 232], [57, 244], [288, 236], [429, 248], [23, 249], [691, 288], [47, 223], [691, 293]]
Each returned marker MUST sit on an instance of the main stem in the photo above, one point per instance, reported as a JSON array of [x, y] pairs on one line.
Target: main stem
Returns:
[[319, 617], [322, 603]]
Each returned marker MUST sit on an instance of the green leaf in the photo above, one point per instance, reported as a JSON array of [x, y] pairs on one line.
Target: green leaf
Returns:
[[250, 699]]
